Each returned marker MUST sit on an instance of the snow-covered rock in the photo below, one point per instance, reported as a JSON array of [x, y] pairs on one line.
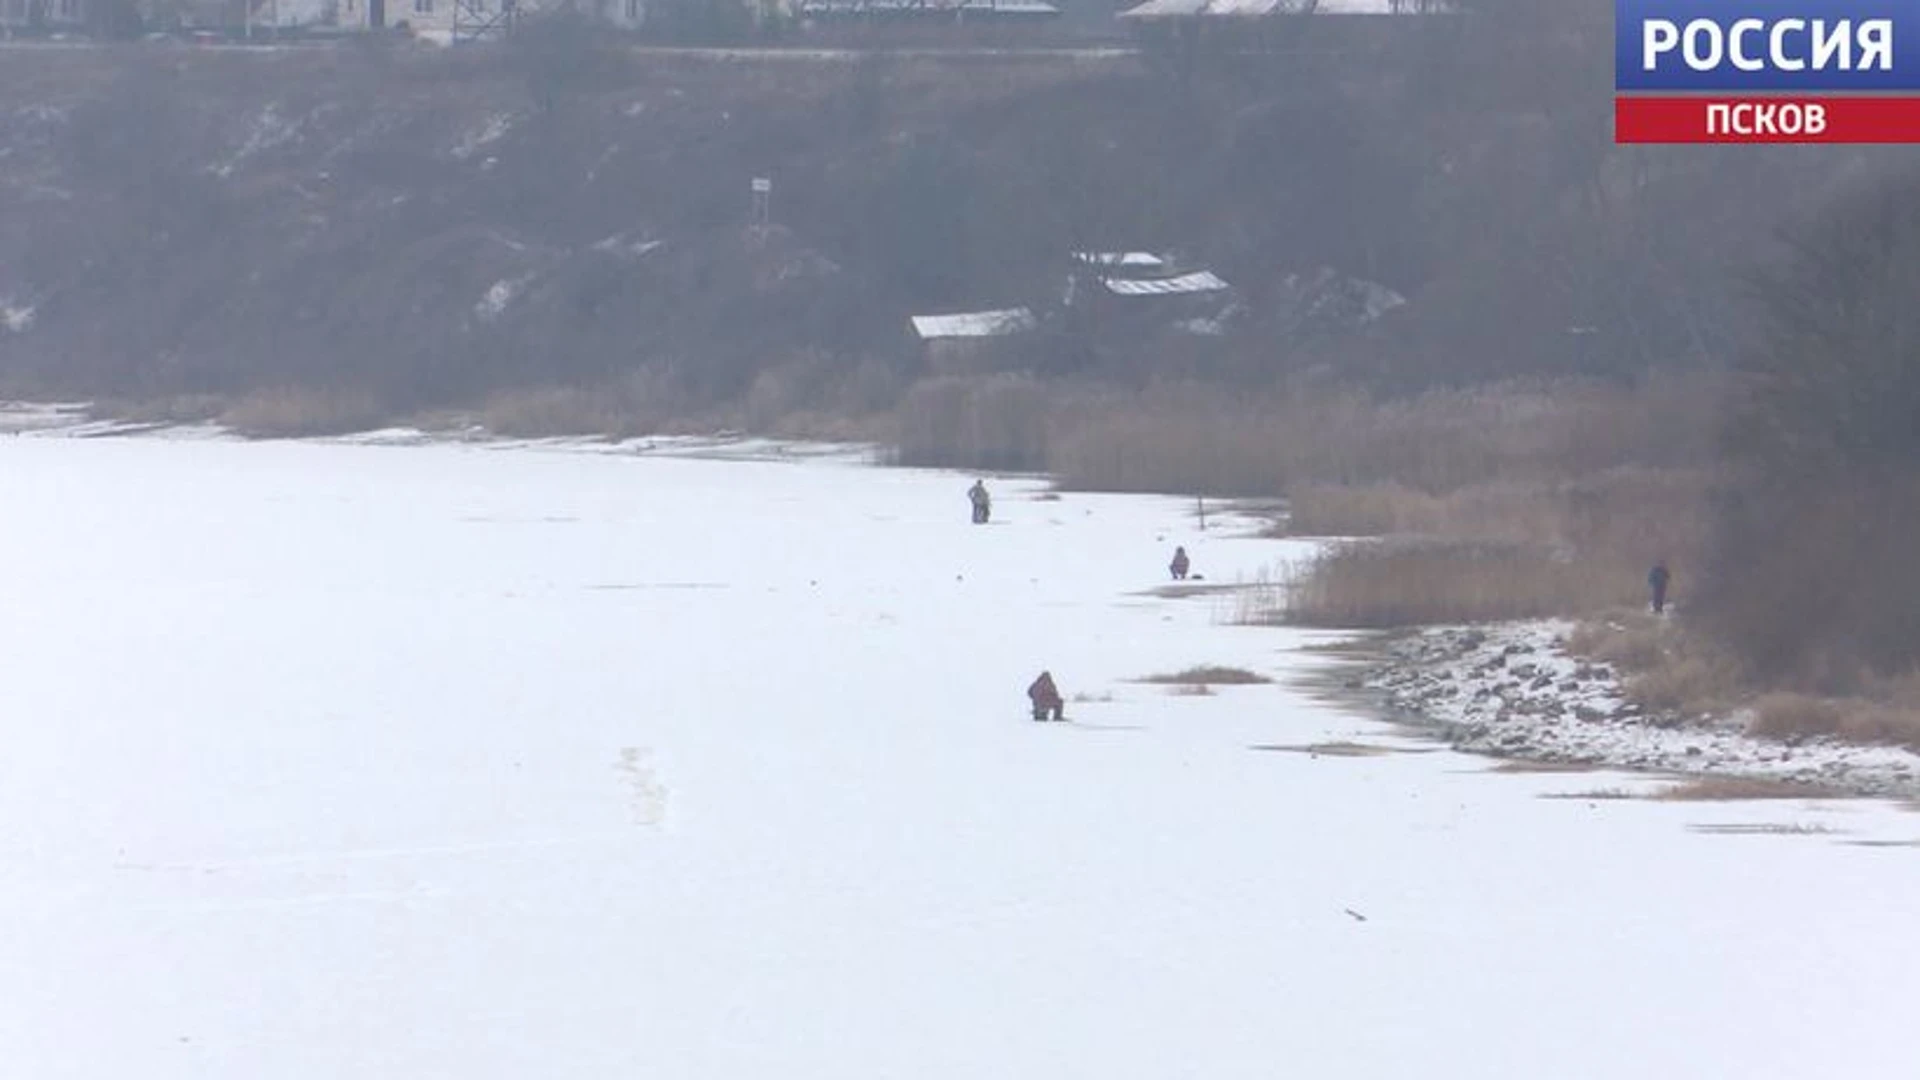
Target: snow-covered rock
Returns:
[[1513, 689]]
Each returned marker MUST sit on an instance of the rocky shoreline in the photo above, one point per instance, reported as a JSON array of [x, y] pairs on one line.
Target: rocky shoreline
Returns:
[[1512, 690]]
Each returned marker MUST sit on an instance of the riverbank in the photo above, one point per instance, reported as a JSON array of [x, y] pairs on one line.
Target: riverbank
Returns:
[[1513, 690]]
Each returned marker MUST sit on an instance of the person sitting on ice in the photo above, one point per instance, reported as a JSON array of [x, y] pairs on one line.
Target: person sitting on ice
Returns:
[[1046, 698], [982, 504], [1179, 564]]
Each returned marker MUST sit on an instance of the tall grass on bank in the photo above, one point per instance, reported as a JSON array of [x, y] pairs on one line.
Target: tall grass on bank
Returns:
[[1663, 665], [1191, 437], [1648, 513], [297, 412], [1671, 667], [994, 422], [1392, 583], [1789, 716]]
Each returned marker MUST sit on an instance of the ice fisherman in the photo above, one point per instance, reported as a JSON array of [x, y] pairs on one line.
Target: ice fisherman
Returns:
[[982, 502], [1179, 564], [1657, 579], [1046, 698]]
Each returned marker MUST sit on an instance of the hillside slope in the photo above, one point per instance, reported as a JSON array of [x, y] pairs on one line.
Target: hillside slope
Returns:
[[425, 227]]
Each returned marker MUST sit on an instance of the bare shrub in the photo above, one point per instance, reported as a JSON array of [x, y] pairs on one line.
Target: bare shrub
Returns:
[[1666, 667], [1631, 641], [1208, 675], [295, 412], [1694, 681]]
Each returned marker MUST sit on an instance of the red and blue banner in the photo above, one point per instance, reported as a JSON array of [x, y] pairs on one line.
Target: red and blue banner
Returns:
[[1745, 71]]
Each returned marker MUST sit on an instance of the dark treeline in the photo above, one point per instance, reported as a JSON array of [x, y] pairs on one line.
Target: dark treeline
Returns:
[[1815, 581], [201, 222]]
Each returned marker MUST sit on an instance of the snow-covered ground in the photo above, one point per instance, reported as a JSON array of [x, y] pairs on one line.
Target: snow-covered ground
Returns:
[[406, 761], [1513, 689]]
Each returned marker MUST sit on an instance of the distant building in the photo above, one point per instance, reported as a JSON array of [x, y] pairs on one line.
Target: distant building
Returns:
[[42, 16], [1122, 261], [926, 10], [971, 342], [425, 17], [1259, 9], [471, 20]]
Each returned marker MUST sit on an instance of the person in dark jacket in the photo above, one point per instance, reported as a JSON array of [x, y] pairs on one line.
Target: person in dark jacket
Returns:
[[1046, 698], [982, 503], [1657, 579], [1179, 564]]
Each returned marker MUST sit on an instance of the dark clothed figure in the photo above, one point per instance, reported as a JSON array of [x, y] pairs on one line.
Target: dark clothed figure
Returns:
[[1046, 698], [982, 504], [1657, 579], [1179, 564]]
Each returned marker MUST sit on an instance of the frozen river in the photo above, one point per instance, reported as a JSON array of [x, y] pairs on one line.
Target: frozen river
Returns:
[[336, 761]]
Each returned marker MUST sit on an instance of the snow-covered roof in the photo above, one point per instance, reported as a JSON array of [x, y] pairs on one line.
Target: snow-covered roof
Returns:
[[1127, 260], [1166, 9], [1200, 281], [974, 324], [916, 7]]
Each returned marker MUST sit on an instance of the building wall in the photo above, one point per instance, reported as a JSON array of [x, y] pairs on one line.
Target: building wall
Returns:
[[48, 14], [620, 14], [436, 17], [425, 17]]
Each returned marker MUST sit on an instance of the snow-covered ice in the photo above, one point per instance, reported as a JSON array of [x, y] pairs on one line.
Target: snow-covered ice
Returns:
[[329, 760]]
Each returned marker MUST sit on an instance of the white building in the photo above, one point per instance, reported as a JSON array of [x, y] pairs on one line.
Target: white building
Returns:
[[42, 15], [465, 20]]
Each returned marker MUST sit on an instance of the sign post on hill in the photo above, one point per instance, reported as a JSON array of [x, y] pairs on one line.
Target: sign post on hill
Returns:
[[762, 196]]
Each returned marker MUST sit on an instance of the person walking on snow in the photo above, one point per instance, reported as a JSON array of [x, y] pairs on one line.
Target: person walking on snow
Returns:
[[1046, 698], [1179, 564], [1657, 579], [982, 504]]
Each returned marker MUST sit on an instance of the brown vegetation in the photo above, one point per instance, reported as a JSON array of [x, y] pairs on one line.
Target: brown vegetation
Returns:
[[1814, 578], [1352, 457], [1208, 675], [1341, 749], [1664, 667], [297, 412], [1409, 582], [1794, 716], [1729, 788]]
